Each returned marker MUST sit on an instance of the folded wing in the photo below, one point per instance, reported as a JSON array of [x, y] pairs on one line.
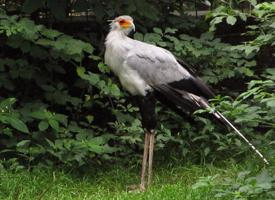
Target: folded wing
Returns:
[[162, 72]]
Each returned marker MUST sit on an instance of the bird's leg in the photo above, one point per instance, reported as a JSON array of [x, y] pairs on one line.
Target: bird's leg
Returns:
[[151, 152], [148, 116], [144, 160]]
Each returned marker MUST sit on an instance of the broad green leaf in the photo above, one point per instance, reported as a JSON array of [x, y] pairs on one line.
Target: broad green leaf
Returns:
[[170, 30], [90, 118], [51, 33], [43, 125], [138, 36], [250, 49], [45, 42], [162, 44], [103, 68], [270, 73], [243, 16], [272, 25], [39, 114], [215, 21], [152, 38], [7, 103], [80, 71], [231, 20], [253, 2], [92, 78], [54, 124], [158, 31], [18, 124], [271, 103], [23, 143], [29, 30], [115, 91], [61, 118], [206, 151]]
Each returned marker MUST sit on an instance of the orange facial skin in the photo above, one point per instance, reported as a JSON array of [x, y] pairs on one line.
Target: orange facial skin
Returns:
[[125, 23]]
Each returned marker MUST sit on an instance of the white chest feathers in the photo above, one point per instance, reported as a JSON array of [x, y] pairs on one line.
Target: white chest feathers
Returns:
[[115, 57], [131, 81]]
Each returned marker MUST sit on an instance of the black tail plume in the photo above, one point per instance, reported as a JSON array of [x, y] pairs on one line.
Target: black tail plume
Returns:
[[192, 102], [225, 121]]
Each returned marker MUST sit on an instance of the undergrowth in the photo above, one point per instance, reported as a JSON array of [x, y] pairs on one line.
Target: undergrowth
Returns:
[[173, 180]]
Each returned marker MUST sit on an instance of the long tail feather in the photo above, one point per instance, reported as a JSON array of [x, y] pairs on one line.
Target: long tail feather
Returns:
[[191, 101], [222, 118], [242, 136]]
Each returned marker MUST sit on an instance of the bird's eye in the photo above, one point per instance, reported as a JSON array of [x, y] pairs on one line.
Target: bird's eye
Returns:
[[122, 21]]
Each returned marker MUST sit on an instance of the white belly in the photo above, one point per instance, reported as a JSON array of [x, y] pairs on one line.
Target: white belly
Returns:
[[132, 82]]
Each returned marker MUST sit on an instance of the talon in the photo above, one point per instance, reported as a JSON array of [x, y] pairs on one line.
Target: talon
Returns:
[[142, 187]]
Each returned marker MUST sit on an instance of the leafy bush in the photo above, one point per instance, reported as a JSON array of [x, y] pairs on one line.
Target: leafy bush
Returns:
[[52, 108], [245, 185], [59, 103]]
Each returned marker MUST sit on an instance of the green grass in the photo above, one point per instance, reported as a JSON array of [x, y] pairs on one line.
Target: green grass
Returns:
[[170, 182]]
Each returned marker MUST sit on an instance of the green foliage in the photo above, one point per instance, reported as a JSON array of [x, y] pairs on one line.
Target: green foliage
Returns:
[[247, 186], [59, 126], [59, 103], [262, 14], [10, 117], [226, 13], [106, 87]]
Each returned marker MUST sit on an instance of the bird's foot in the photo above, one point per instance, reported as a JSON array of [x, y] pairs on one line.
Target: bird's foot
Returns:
[[142, 187], [136, 188]]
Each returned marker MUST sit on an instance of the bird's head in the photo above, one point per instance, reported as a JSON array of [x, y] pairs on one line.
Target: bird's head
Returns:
[[123, 23]]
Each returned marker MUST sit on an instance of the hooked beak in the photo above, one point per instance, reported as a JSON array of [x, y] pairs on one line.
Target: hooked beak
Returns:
[[128, 24], [133, 26]]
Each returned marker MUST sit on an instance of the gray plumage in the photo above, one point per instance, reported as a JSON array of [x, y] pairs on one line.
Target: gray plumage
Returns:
[[143, 68], [139, 65]]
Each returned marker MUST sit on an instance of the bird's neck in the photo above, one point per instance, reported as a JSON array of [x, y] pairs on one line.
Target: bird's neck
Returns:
[[116, 36], [117, 46]]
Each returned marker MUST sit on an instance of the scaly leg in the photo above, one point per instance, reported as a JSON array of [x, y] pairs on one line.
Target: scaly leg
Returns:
[[144, 160], [151, 152]]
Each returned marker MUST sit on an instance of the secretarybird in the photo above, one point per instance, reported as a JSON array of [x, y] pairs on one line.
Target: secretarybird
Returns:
[[151, 72]]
